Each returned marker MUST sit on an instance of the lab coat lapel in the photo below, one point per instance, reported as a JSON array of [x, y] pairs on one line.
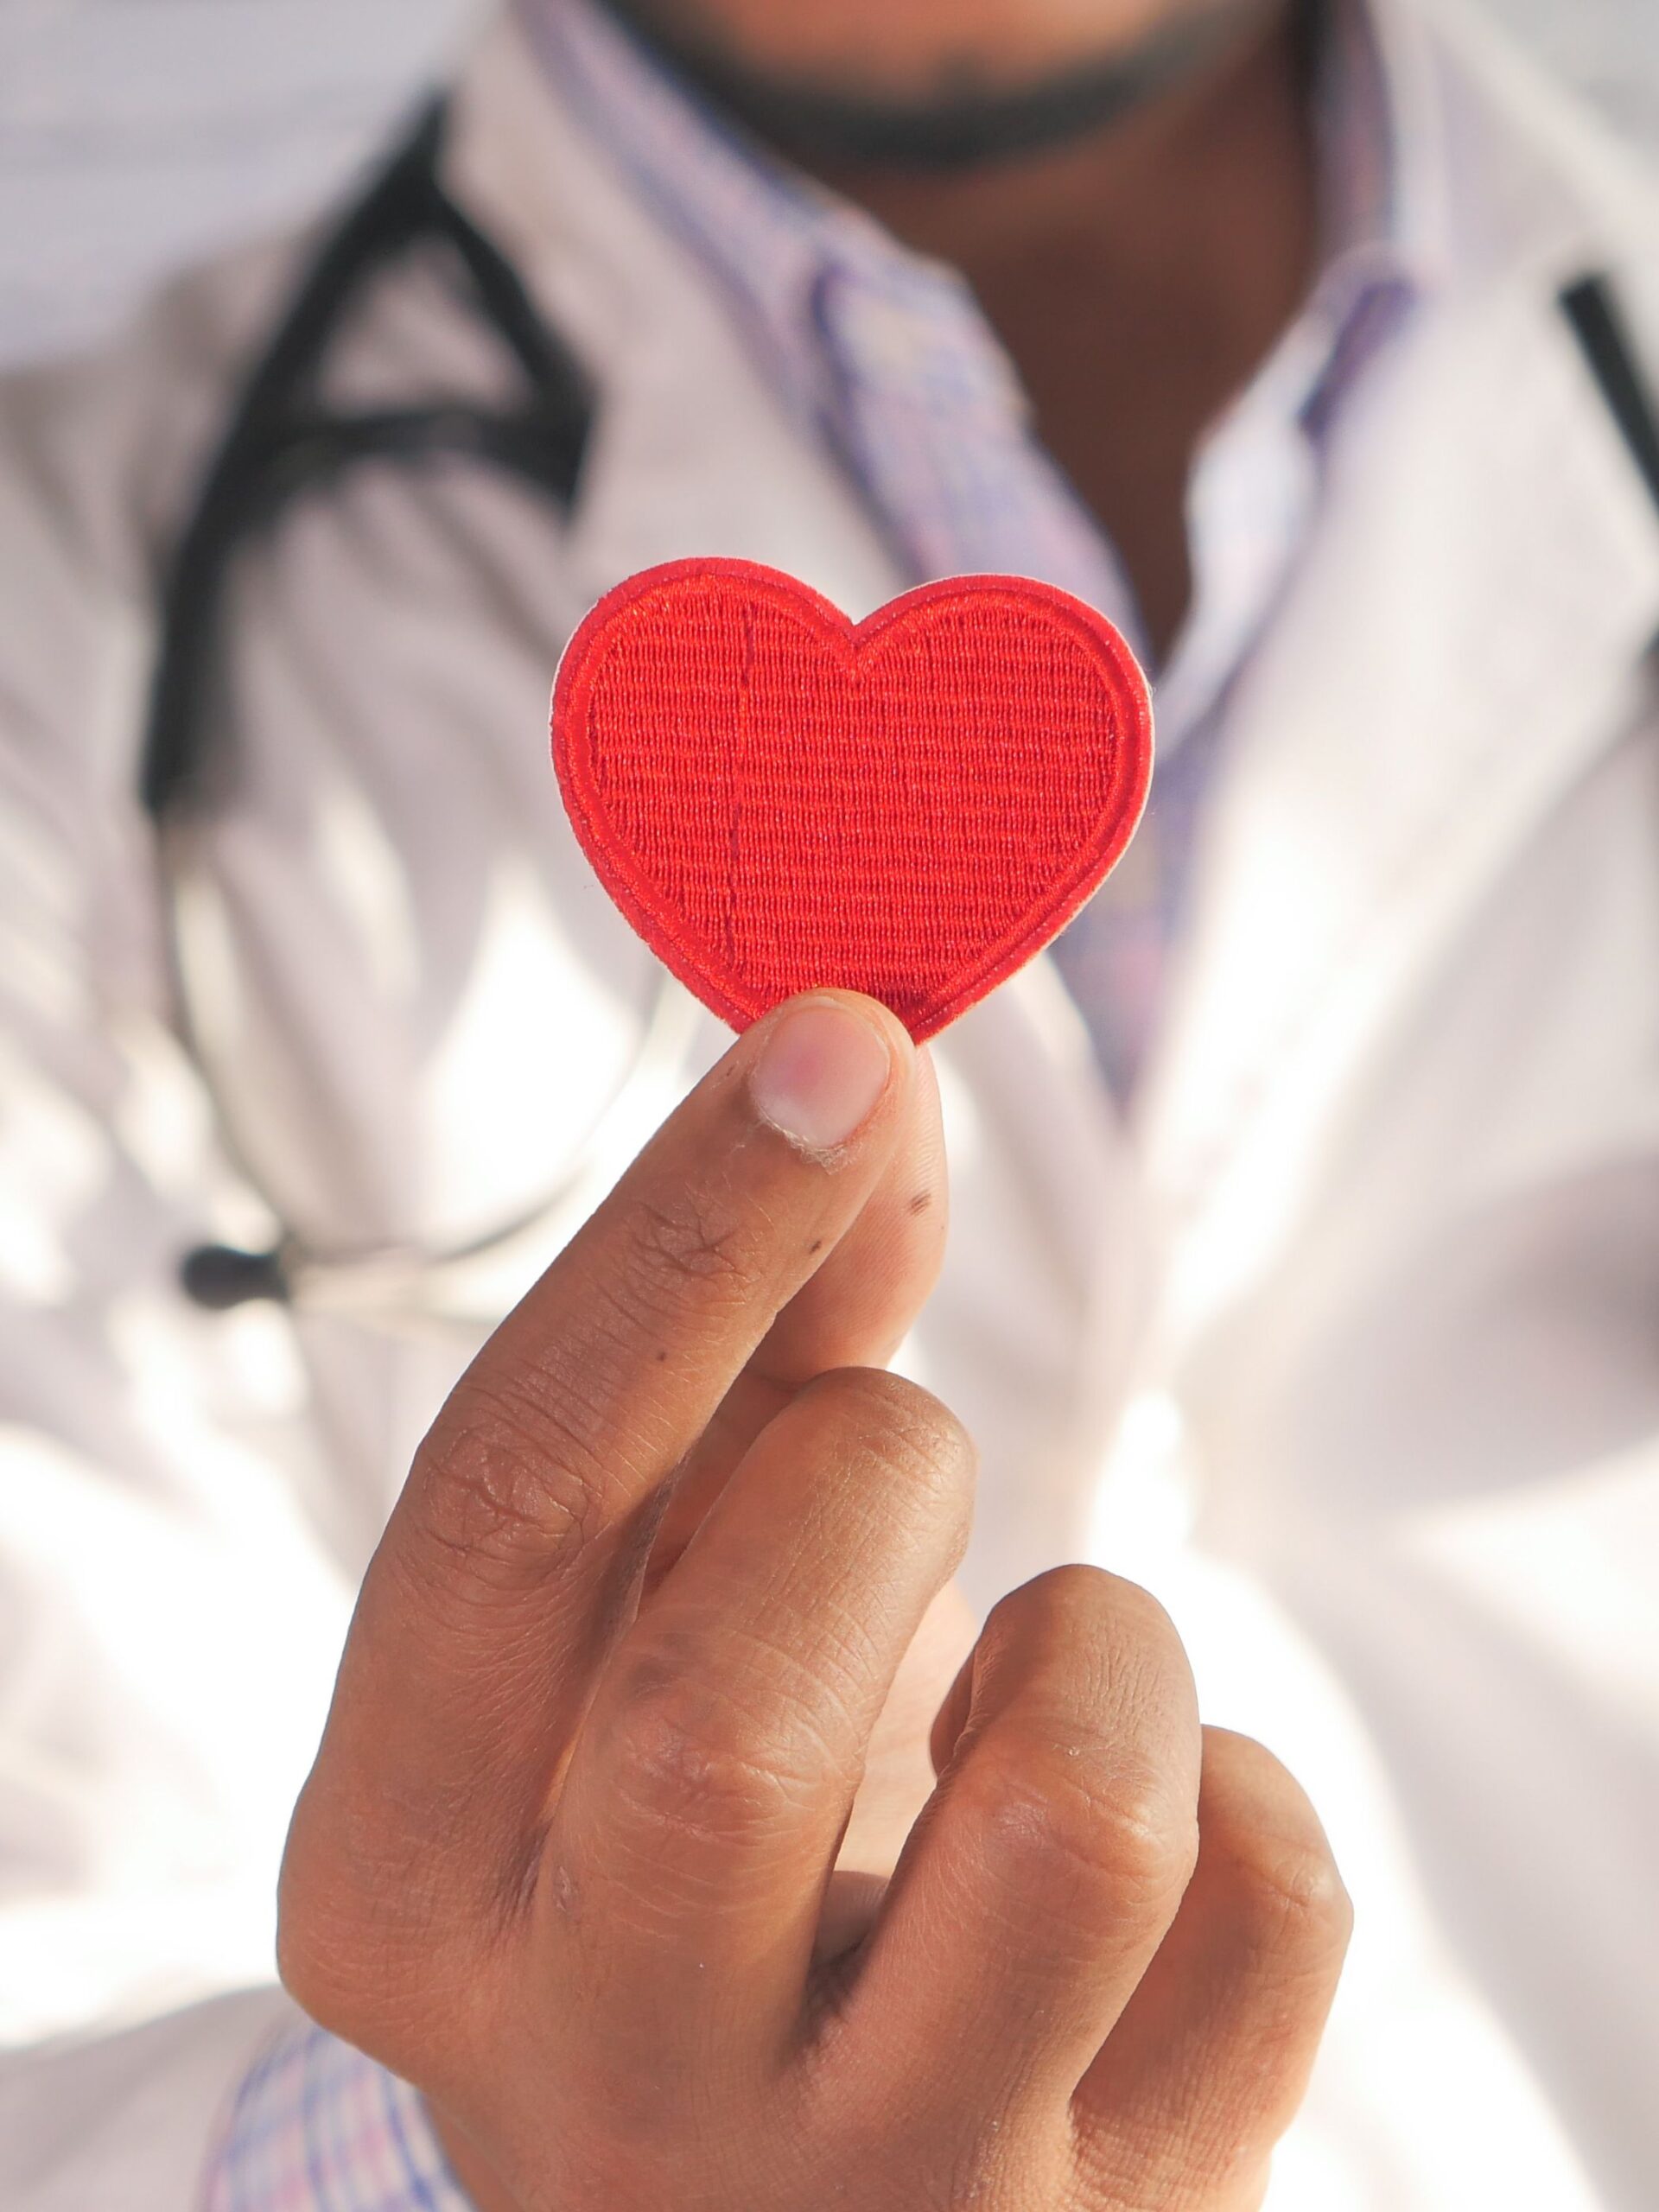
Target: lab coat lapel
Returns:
[[1465, 636], [693, 453]]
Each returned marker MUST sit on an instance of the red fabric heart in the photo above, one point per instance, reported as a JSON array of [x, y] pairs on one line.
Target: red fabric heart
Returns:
[[912, 805]]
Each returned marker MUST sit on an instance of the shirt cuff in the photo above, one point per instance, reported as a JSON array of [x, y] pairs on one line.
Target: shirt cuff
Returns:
[[318, 2127]]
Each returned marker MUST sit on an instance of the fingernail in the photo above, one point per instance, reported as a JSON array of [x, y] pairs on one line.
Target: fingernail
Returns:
[[820, 1074]]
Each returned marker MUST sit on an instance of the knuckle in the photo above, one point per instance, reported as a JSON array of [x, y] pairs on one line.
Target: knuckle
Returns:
[[1293, 1901], [321, 1961], [1136, 1621], [1078, 1608], [314, 1975], [900, 1427], [686, 1770], [1287, 1897], [1142, 1620], [336, 1955], [300, 1958], [508, 1479], [405, 2018], [673, 1243], [1130, 1826], [375, 1945], [1115, 1832]]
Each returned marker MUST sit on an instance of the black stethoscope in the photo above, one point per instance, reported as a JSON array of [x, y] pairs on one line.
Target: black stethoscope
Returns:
[[281, 441]]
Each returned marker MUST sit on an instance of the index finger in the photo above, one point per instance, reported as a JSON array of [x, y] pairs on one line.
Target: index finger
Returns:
[[490, 1601], [853, 1312]]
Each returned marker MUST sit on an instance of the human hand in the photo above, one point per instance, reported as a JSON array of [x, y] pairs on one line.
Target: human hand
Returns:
[[564, 1859]]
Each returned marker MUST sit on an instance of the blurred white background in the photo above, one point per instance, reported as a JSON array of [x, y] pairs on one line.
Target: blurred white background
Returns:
[[138, 133]]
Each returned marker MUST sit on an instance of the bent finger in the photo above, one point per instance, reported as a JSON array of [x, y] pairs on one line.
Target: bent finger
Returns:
[[852, 1312], [698, 1823], [1054, 1851], [1211, 2059]]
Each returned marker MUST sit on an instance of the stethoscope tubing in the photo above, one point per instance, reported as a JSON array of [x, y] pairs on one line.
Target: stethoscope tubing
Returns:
[[279, 441], [407, 1284]]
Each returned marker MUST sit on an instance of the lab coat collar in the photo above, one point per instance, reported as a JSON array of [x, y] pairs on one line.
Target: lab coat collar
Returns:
[[693, 453], [1466, 635], [1466, 632]]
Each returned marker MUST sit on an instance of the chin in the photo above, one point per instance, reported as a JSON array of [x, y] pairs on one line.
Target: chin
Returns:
[[966, 99]]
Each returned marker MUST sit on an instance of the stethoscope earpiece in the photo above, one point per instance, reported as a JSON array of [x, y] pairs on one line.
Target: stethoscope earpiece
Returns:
[[217, 1277]]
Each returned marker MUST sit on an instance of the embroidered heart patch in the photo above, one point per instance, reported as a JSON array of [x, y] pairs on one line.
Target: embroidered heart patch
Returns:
[[779, 799]]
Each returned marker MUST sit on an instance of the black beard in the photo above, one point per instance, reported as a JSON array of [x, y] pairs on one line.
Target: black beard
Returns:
[[969, 125]]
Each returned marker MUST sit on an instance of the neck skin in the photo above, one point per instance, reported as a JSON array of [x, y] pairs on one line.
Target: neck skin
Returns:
[[1137, 279]]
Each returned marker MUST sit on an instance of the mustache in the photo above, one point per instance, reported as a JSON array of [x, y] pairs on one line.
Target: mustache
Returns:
[[967, 123]]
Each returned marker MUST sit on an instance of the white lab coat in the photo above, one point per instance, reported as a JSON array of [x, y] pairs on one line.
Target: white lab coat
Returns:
[[1349, 1345]]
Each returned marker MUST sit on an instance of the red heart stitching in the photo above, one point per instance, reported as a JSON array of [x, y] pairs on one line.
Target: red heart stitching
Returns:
[[779, 799]]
